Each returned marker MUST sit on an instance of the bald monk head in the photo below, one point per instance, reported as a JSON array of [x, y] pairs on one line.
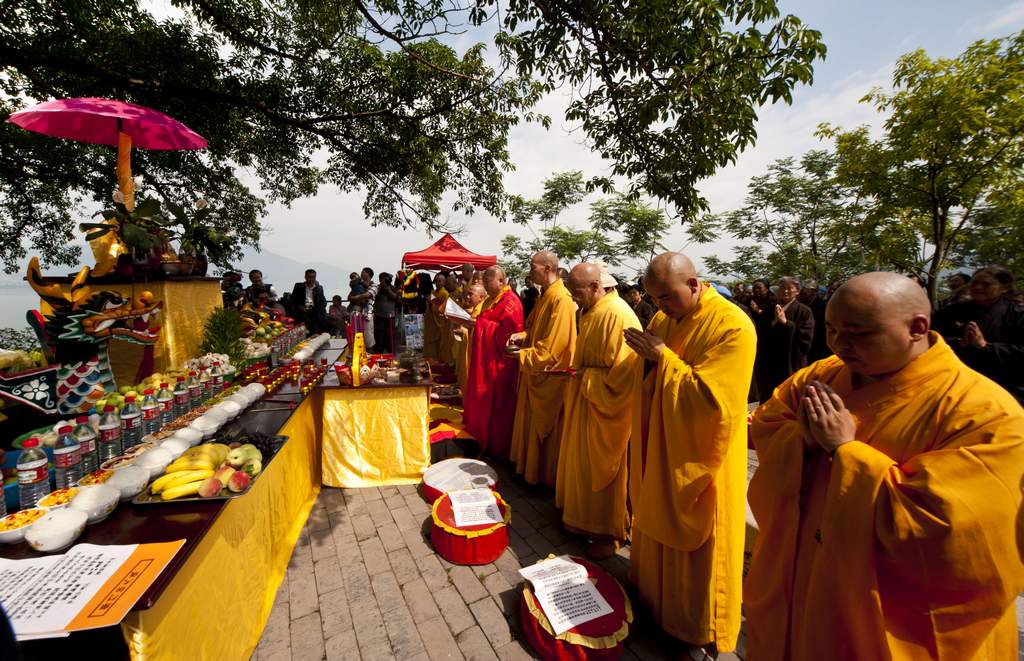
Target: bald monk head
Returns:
[[671, 280], [468, 271], [494, 280], [878, 322], [451, 283], [475, 293], [544, 268], [585, 285]]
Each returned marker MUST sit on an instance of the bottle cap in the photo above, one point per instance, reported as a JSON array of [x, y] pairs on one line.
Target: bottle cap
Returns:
[[163, 385], [82, 419], [129, 400], [181, 378], [147, 391], [66, 429], [109, 408], [31, 443]]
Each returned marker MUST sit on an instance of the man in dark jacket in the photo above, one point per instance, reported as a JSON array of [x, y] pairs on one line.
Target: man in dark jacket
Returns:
[[644, 311], [309, 303], [783, 347]]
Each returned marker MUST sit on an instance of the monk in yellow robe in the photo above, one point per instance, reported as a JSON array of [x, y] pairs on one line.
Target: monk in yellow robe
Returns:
[[431, 327], [545, 354], [888, 496], [474, 300], [599, 408], [688, 461]]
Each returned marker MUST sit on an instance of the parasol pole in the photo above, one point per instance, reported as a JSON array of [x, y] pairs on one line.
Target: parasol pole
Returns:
[[124, 167], [107, 248]]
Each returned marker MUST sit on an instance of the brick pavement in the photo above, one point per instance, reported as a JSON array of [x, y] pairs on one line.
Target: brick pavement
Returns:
[[365, 583]]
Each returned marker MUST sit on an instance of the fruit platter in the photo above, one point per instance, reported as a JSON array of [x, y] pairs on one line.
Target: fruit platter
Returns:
[[212, 471]]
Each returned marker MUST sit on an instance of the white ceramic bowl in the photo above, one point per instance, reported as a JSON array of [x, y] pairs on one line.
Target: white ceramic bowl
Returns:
[[257, 389], [231, 408], [189, 435], [97, 501], [130, 481], [217, 414], [207, 425], [176, 446], [154, 461], [240, 398], [56, 530], [16, 535]]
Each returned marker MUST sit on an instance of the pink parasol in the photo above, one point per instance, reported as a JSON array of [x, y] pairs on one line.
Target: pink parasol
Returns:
[[99, 121]]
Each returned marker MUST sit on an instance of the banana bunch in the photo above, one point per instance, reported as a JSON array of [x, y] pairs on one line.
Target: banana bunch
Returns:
[[189, 471]]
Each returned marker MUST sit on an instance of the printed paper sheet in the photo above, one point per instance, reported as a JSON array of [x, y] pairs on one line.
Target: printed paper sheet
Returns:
[[565, 593]]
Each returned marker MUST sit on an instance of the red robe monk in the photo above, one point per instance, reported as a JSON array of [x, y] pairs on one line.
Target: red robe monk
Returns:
[[490, 397], [888, 496]]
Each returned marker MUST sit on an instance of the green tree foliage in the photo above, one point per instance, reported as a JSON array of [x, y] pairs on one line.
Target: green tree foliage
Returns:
[[621, 228], [298, 94], [948, 162], [666, 90], [371, 98], [799, 219]]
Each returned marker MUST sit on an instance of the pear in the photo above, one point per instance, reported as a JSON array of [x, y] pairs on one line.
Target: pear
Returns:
[[252, 468]]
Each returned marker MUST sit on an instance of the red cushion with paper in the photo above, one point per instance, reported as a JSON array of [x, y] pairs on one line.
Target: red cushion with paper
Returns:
[[600, 638], [468, 545]]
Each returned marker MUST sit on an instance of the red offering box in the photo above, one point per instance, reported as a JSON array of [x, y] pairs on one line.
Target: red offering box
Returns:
[[597, 639], [472, 545]]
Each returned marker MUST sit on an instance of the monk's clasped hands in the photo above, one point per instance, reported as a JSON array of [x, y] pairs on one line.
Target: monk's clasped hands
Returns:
[[647, 345], [825, 418]]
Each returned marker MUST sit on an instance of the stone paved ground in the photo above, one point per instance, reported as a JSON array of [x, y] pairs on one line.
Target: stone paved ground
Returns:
[[365, 583]]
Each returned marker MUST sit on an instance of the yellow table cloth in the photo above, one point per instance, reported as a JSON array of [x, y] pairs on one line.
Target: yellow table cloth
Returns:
[[220, 599], [375, 436]]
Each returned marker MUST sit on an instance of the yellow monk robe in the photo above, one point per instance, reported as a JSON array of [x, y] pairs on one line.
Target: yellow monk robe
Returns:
[[431, 331], [688, 473], [550, 339], [599, 410], [444, 345], [907, 544], [461, 350]]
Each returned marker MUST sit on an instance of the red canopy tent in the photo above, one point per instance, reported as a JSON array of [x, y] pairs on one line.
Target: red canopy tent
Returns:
[[446, 253]]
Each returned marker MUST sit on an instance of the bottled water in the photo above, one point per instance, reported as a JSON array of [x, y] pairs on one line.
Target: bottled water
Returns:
[[182, 402], [205, 385], [67, 458], [165, 398], [150, 413], [131, 424], [110, 433], [33, 474], [195, 391], [87, 439], [216, 378]]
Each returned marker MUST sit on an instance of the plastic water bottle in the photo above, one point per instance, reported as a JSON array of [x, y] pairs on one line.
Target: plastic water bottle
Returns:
[[195, 391], [150, 412], [110, 434], [33, 474], [86, 437], [67, 458], [131, 423], [165, 398], [216, 378], [205, 386], [182, 401]]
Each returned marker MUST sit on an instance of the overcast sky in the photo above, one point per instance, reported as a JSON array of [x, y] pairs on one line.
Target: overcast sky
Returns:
[[863, 38]]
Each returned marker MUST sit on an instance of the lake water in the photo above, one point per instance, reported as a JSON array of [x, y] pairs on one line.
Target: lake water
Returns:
[[14, 302]]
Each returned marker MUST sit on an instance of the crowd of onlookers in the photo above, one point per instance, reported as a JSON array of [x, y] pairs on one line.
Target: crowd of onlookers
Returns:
[[981, 315]]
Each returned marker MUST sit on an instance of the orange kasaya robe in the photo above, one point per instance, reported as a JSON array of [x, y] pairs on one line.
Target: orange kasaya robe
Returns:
[[907, 543], [688, 473], [600, 403], [460, 349], [490, 395], [444, 328], [550, 340], [431, 329]]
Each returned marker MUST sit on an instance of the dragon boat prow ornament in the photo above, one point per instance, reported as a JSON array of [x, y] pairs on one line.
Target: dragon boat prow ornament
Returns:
[[74, 336]]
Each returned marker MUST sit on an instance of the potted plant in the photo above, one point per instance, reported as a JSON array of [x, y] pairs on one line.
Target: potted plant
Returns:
[[141, 230], [199, 239]]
